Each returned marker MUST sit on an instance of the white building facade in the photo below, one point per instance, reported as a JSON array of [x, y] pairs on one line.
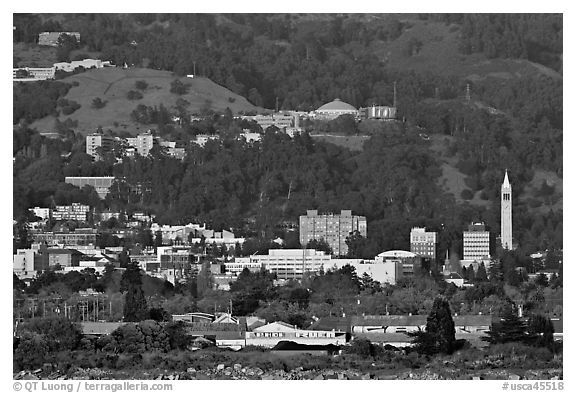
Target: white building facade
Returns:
[[476, 243], [423, 243], [292, 263]]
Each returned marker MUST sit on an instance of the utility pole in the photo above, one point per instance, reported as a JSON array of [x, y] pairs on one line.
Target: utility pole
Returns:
[[394, 104], [468, 92], [276, 104]]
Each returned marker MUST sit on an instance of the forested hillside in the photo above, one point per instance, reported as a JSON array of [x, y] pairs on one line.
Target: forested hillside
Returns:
[[513, 119]]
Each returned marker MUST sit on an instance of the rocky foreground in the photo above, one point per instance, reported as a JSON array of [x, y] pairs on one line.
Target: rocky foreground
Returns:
[[238, 372]]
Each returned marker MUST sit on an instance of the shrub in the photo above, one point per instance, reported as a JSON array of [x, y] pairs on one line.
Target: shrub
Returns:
[[467, 194], [128, 338], [134, 95], [97, 103], [155, 337], [361, 347], [31, 352], [177, 87], [141, 85], [68, 106], [58, 332], [177, 336]]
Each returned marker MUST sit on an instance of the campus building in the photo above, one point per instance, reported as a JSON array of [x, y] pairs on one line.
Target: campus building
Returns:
[[291, 263], [98, 142], [423, 243], [101, 184], [333, 228], [334, 109], [74, 212], [476, 243]]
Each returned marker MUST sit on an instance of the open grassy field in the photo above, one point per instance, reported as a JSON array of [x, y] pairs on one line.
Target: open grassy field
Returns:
[[113, 84], [438, 53]]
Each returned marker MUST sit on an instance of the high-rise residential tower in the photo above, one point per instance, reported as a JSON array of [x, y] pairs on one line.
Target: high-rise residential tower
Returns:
[[333, 228], [423, 243], [506, 214]]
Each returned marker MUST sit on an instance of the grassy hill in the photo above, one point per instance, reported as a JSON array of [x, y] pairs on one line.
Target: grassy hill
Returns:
[[427, 46], [113, 84]]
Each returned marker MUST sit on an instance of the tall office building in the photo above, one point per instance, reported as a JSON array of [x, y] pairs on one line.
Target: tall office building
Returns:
[[476, 242], [423, 243], [333, 228], [506, 214]]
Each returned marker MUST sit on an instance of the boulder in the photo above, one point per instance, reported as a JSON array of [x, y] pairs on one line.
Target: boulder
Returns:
[[220, 367]]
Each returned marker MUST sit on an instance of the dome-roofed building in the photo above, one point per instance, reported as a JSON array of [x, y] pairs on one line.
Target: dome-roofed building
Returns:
[[334, 109]]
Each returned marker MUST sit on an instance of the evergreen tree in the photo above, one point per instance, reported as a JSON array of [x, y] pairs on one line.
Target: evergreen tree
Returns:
[[135, 307], [510, 328], [496, 271], [481, 275], [440, 334], [541, 331]]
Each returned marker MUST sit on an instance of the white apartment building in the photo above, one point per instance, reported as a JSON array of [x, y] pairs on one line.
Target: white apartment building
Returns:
[[142, 143], [96, 141], [476, 243], [76, 211], [23, 263], [423, 243], [42, 212]]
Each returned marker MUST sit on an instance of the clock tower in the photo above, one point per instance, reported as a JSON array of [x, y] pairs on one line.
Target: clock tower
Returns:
[[506, 214]]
